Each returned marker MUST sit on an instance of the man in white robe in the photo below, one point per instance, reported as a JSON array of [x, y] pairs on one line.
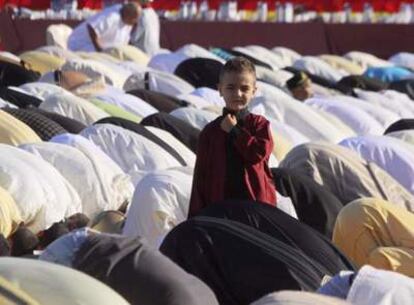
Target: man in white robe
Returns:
[[110, 28]]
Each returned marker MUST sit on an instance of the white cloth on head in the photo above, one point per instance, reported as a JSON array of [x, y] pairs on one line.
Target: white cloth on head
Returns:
[[111, 31], [134, 153], [41, 193], [161, 201]]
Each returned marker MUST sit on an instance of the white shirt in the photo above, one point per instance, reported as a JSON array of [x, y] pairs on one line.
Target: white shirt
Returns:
[[358, 120], [72, 163], [160, 203], [41, 193], [128, 102], [395, 102], [74, 107], [210, 95], [280, 106], [179, 147], [195, 117], [147, 35], [380, 287], [109, 28], [403, 59], [134, 153], [318, 67], [167, 62], [392, 155], [158, 81], [116, 186]]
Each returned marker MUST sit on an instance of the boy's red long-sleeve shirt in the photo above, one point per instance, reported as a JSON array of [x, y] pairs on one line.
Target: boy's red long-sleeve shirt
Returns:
[[253, 143]]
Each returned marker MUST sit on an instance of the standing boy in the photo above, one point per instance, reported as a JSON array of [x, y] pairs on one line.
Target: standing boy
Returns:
[[233, 150]]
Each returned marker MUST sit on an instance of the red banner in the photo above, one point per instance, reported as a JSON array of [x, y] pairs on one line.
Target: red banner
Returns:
[[318, 5]]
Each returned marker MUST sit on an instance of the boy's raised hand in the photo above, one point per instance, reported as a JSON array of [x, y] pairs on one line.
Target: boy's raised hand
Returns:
[[228, 122]]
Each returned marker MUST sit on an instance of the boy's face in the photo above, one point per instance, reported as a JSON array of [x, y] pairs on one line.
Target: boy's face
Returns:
[[237, 89]]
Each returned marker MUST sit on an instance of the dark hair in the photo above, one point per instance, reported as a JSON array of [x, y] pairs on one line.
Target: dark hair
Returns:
[[238, 64], [298, 79], [24, 242], [130, 10], [48, 236]]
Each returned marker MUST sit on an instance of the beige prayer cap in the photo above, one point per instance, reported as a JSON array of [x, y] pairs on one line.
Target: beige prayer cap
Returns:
[[298, 298], [108, 222]]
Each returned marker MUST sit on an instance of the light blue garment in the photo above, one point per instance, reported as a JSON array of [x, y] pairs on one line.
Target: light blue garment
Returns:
[[63, 250], [338, 286], [389, 74]]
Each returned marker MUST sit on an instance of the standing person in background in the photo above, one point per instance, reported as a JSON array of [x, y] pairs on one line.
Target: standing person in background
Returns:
[[233, 150], [146, 35], [110, 28]]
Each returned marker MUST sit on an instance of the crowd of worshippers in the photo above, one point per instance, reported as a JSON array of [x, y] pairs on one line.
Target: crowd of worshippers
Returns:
[[203, 176]]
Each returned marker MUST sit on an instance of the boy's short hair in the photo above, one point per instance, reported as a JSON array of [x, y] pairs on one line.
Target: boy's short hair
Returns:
[[238, 64]]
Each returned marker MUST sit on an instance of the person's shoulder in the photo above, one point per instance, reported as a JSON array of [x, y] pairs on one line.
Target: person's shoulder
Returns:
[[211, 127], [112, 12]]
